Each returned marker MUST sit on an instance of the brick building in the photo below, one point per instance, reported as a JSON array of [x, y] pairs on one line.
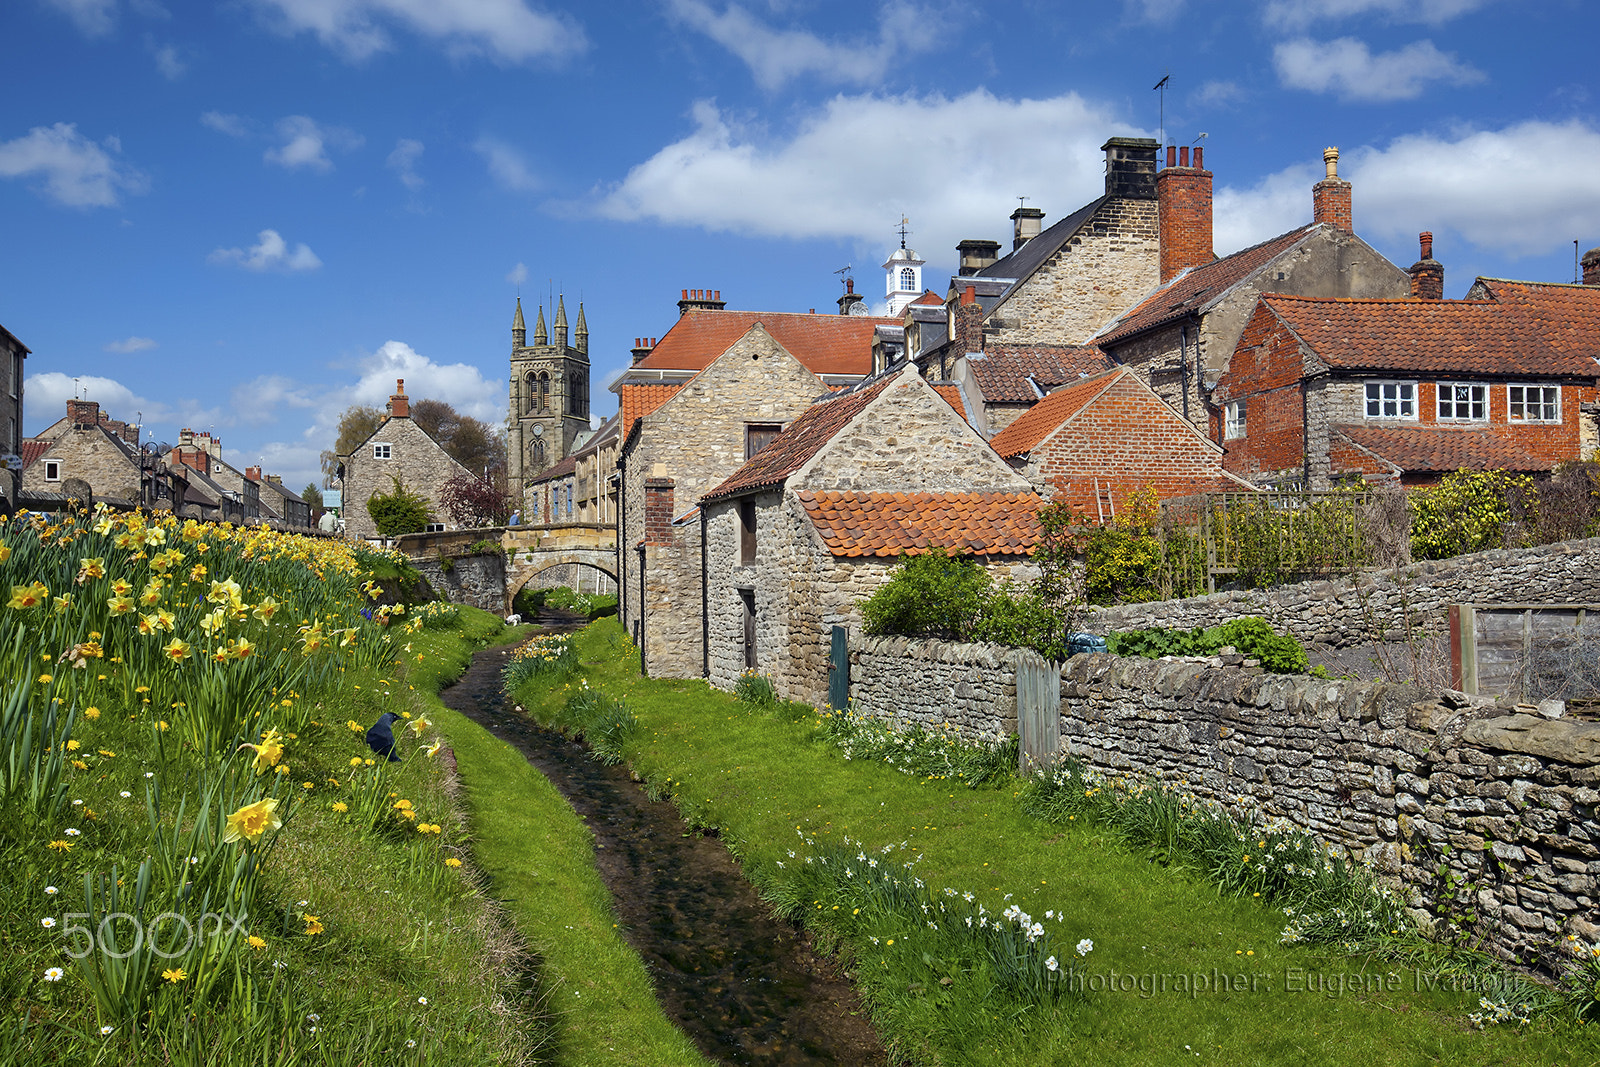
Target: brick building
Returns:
[[12, 354], [1411, 389], [397, 449], [798, 535], [1092, 443]]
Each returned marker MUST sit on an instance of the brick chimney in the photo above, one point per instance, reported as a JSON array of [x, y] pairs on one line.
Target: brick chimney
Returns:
[[1131, 167], [658, 494], [252, 474], [1026, 224], [643, 346], [1427, 273], [1330, 198], [399, 403], [968, 324], [1183, 205], [976, 255], [850, 299], [83, 413], [701, 300], [1591, 267]]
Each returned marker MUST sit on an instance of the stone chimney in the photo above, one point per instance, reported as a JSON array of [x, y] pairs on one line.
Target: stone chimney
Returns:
[[1026, 223], [976, 255], [399, 403], [1330, 198], [1427, 273], [850, 299], [1591, 267], [643, 346], [83, 413], [1131, 167], [701, 300], [252, 474], [275, 479], [1183, 205], [968, 322]]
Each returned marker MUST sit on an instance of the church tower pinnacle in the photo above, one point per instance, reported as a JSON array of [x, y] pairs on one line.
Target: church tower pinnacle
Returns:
[[561, 322], [540, 336], [519, 328], [581, 332]]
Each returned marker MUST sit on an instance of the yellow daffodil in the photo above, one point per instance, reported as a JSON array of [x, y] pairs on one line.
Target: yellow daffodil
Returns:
[[90, 567], [165, 619], [253, 820], [177, 650], [268, 752], [150, 595], [27, 596], [149, 625], [120, 605], [419, 725], [213, 622]]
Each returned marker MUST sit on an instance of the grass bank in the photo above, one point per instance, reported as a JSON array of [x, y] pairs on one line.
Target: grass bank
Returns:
[[1177, 970]]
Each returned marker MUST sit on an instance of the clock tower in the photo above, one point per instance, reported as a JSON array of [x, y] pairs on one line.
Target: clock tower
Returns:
[[549, 394]]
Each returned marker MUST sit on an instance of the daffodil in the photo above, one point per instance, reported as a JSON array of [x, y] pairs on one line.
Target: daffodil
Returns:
[[177, 650], [253, 820], [266, 609], [268, 752], [27, 596], [120, 605], [151, 594], [90, 567]]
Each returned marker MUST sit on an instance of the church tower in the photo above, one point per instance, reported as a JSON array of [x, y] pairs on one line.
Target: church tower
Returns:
[[549, 393]]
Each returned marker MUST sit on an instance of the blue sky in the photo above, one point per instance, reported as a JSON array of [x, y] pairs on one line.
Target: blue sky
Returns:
[[245, 216]]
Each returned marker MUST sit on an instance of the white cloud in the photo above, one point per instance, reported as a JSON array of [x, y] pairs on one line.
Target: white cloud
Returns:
[[403, 161], [270, 253], [776, 57], [75, 171], [305, 143], [1347, 67], [169, 62], [852, 168], [1217, 94], [505, 30], [130, 344], [1297, 14], [256, 402], [1521, 190], [49, 392], [232, 125], [95, 18], [518, 274], [506, 165]]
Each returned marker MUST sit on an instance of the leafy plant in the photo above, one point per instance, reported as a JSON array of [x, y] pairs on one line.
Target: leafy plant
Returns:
[[399, 512], [1279, 653], [473, 501], [1469, 511], [930, 595]]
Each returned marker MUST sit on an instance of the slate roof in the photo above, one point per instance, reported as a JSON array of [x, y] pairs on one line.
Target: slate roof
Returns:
[[804, 438], [889, 524], [1041, 420], [1002, 371], [637, 401], [1197, 289], [1434, 449], [824, 344], [1021, 263], [1528, 329], [560, 470]]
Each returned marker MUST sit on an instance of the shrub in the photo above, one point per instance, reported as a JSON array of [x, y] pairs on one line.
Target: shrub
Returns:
[[931, 595], [1279, 653], [471, 501], [1469, 511], [399, 512]]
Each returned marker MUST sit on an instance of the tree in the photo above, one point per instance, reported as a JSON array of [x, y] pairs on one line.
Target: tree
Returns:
[[358, 423], [471, 501], [312, 495], [399, 512], [475, 445]]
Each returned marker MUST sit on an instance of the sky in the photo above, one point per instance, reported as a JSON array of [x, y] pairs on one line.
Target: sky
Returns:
[[243, 217]]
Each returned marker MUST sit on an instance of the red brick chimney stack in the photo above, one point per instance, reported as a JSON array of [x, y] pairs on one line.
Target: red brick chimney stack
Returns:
[[1330, 198], [1427, 273], [83, 412], [968, 321], [1591, 267], [1183, 207], [253, 473], [399, 404]]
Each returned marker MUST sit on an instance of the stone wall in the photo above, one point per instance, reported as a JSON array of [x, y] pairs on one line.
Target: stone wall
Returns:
[[970, 687], [414, 457], [477, 580], [92, 455]]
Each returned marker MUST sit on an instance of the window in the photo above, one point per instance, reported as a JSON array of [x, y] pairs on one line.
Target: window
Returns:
[[747, 532], [1533, 403], [52, 470], [1235, 420], [1460, 402], [908, 280], [544, 390], [758, 435], [1391, 400], [380, 452], [747, 604], [433, 527]]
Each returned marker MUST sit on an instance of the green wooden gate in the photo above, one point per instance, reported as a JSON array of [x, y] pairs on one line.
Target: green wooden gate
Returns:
[[839, 670]]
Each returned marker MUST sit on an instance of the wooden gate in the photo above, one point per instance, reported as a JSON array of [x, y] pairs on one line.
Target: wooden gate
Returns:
[[839, 670], [1038, 712]]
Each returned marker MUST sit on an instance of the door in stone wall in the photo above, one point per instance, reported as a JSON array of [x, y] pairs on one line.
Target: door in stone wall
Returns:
[[1038, 712], [839, 670]]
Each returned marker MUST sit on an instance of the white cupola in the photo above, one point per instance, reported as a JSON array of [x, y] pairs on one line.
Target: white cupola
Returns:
[[902, 275]]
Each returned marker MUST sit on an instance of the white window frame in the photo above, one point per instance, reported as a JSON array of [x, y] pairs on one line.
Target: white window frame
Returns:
[[1517, 399], [1404, 397], [433, 527], [908, 280], [52, 470], [1476, 403], [382, 450], [1234, 424]]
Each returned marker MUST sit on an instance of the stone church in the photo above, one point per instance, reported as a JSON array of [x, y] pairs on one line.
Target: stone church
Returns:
[[549, 414]]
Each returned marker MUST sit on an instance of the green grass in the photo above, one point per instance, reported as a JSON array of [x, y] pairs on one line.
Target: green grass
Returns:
[[539, 859], [758, 777]]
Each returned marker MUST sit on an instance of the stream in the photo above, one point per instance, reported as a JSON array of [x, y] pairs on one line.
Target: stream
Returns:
[[744, 986]]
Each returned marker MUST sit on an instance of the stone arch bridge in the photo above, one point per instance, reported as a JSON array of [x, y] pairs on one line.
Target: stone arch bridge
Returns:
[[461, 565]]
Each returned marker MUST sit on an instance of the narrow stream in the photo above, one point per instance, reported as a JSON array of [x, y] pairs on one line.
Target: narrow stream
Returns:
[[744, 986]]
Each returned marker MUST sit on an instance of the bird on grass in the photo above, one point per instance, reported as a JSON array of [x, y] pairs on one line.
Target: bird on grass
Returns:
[[381, 737]]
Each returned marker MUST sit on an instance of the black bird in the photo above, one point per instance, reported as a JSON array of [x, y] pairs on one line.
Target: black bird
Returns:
[[381, 737]]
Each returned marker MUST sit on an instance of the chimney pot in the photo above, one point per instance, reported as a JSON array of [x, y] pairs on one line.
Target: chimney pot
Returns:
[[1183, 156], [1425, 239], [1427, 274], [1330, 163], [1330, 198], [1172, 155], [717, 295], [1591, 267], [1198, 165], [686, 294], [969, 294]]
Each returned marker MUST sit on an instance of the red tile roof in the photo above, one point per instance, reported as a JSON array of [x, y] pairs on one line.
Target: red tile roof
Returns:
[[1428, 449], [804, 438], [1041, 420], [929, 297], [1003, 372], [637, 401], [824, 344], [1527, 329], [952, 396], [32, 450], [889, 524], [1198, 288]]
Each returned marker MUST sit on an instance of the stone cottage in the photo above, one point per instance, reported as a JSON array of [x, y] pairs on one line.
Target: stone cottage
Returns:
[[397, 449], [222, 492], [1091, 444], [813, 524], [278, 504], [12, 354], [88, 445]]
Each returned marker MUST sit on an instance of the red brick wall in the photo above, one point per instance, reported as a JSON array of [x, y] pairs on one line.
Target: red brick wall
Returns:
[[658, 511], [1330, 203], [1265, 373], [1183, 200]]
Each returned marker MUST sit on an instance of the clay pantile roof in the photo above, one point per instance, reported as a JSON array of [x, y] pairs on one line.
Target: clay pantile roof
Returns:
[[1431, 449], [804, 438], [824, 344], [637, 401], [32, 450], [1527, 329], [1003, 371], [929, 297], [1198, 288], [891, 524], [952, 396], [1041, 420], [560, 470]]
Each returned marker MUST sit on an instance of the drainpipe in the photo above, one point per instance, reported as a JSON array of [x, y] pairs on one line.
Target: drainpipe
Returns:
[[643, 672], [1305, 439], [1183, 364], [705, 601], [622, 539]]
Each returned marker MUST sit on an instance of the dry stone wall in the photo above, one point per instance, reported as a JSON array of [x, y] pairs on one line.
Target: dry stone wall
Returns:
[[478, 580]]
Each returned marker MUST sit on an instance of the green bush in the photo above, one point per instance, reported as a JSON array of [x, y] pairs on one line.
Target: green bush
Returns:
[[931, 595], [1470, 511], [1279, 653], [399, 512]]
